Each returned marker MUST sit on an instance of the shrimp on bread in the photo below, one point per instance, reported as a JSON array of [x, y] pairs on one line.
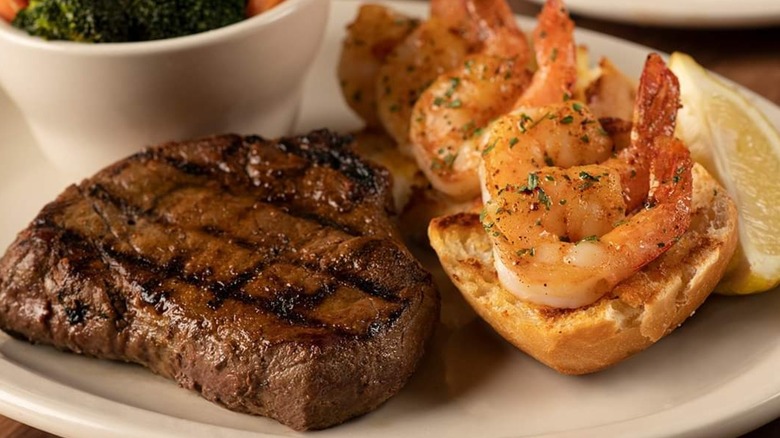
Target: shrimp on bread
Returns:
[[555, 238], [586, 254]]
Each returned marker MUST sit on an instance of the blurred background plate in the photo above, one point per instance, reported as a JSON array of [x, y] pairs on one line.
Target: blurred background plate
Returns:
[[682, 13]]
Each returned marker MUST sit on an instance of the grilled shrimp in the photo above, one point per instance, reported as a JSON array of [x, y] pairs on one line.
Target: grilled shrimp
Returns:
[[556, 58], [570, 217], [448, 119], [374, 34], [455, 30]]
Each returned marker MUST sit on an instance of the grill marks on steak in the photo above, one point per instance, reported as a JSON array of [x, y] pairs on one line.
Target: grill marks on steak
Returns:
[[203, 232], [222, 263]]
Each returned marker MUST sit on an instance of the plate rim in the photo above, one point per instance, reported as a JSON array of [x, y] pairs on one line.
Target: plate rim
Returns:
[[665, 16]]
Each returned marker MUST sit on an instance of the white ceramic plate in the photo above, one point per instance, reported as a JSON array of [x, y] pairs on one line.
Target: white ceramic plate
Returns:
[[681, 13], [716, 376]]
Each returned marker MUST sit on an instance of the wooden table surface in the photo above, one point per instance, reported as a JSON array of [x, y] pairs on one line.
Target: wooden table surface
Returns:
[[750, 57]]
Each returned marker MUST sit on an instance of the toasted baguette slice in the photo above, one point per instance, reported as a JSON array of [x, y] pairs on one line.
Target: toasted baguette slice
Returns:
[[636, 314]]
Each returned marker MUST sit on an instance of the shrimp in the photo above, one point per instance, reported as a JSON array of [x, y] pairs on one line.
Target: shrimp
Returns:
[[374, 34], [488, 25], [448, 119], [455, 30], [556, 57], [611, 94], [425, 54], [569, 221]]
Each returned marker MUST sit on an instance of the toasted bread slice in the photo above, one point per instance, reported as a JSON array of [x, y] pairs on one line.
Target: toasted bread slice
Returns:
[[636, 314]]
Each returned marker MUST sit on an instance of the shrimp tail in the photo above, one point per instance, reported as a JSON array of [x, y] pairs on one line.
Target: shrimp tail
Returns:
[[556, 55], [488, 26], [655, 115], [672, 181], [657, 102]]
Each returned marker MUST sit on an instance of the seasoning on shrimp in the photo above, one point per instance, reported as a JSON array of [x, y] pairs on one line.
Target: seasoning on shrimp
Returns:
[[490, 83], [606, 213]]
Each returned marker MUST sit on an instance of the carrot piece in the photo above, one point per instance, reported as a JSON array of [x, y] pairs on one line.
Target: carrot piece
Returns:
[[255, 7], [9, 8]]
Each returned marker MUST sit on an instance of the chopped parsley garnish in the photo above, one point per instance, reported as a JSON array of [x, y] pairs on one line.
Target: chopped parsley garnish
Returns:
[[592, 238], [588, 177], [544, 199], [567, 120], [589, 180], [469, 127], [449, 159], [576, 106], [489, 148], [678, 174], [513, 141], [445, 162], [454, 82], [526, 252], [524, 118], [533, 181]]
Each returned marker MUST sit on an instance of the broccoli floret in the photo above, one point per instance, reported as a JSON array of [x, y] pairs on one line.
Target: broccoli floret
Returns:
[[126, 20], [158, 19], [99, 21]]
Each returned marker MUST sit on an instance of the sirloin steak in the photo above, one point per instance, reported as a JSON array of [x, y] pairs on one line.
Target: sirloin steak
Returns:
[[266, 275]]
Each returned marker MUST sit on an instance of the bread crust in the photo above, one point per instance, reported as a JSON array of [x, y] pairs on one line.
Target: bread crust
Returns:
[[636, 314]]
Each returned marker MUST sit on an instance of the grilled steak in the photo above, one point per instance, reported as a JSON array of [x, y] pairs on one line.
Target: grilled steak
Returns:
[[266, 275]]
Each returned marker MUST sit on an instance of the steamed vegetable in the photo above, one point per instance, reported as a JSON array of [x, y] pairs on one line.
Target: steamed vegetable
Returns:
[[158, 19], [75, 20], [126, 20]]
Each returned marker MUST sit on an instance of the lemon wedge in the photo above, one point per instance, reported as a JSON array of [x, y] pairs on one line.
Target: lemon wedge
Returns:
[[736, 143]]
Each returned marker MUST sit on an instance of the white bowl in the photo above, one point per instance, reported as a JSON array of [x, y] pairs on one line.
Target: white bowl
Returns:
[[91, 104]]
